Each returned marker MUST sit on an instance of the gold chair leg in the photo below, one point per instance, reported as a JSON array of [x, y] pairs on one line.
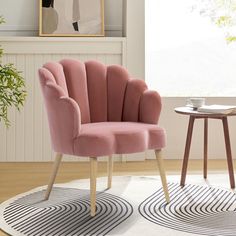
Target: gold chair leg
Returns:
[[162, 174], [53, 175], [109, 170], [93, 176]]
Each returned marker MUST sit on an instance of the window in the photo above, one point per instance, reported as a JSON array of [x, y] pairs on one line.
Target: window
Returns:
[[186, 53]]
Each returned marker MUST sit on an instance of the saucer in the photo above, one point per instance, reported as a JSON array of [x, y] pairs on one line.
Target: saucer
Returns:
[[193, 107]]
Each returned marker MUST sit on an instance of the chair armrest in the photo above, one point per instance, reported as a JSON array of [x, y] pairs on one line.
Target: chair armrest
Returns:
[[150, 107], [63, 114]]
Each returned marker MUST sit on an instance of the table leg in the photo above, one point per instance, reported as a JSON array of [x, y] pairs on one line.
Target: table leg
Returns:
[[228, 152], [205, 147], [187, 149]]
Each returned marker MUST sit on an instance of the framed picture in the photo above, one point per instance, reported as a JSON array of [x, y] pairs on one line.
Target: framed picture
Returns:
[[71, 18]]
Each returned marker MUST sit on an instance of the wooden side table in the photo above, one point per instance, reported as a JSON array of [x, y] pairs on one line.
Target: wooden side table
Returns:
[[202, 115]]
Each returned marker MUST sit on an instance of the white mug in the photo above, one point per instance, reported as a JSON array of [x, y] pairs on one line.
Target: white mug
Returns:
[[196, 102]]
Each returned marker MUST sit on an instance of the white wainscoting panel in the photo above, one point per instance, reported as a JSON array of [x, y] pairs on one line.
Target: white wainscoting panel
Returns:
[[28, 137]]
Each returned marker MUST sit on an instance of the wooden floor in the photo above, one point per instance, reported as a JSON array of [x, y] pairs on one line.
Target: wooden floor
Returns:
[[16, 178]]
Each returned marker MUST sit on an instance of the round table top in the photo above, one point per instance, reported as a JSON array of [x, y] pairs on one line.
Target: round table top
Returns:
[[193, 112]]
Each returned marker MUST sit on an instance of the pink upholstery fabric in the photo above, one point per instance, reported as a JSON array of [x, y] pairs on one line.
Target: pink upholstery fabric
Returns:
[[57, 70], [150, 107], [76, 79], [117, 79], [106, 111], [63, 114], [105, 138], [134, 91], [97, 90]]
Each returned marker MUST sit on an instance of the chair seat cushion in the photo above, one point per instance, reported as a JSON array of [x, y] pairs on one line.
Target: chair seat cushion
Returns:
[[107, 138]]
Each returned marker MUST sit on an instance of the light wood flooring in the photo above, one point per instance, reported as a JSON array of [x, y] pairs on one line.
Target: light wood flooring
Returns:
[[16, 178]]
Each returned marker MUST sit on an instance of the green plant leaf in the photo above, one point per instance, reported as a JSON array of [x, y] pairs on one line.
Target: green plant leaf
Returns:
[[12, 90]]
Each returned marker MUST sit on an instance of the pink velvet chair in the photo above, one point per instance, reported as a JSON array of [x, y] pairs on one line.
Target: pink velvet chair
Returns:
[[96, 110]]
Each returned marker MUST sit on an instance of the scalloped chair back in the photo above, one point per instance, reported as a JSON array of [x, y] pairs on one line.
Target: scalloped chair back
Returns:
[[95, 110]]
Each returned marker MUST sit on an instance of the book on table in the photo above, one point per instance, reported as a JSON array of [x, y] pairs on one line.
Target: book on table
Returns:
[[218, 109]]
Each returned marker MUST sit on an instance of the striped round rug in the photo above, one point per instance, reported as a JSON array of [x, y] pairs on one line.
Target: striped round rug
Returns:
[[135, 205], [193, 209], [67, 212]]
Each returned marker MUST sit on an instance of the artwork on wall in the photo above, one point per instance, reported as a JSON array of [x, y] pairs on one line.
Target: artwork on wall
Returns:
[[71, 18]]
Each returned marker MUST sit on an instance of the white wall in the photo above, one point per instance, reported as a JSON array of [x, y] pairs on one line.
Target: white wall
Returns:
[[22, 17], [134, 30]]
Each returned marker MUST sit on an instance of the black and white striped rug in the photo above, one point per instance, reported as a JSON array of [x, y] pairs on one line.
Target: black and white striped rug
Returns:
[[134, 206], [67, 212], [193, 209]]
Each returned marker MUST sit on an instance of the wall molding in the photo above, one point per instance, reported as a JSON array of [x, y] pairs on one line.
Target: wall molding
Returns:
[[34, 28], [62, 45]]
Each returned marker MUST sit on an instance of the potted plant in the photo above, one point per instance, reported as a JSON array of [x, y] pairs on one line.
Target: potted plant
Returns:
[[12, 88]]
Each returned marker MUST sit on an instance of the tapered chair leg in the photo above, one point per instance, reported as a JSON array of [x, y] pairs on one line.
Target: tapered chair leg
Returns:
[[162, 174], [93, 178], [53, 175], [109, 170]]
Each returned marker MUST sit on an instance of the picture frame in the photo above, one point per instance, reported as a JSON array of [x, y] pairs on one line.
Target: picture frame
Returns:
[[73, 18]]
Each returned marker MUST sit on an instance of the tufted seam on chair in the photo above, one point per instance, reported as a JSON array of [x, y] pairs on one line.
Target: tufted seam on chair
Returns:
[[150, 107], [76, 114], [96, 73], [50, 82], [117, 80], [134, 91], [139, 102], [123, 103], [56, 89], [76, 79], [56, 69]]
